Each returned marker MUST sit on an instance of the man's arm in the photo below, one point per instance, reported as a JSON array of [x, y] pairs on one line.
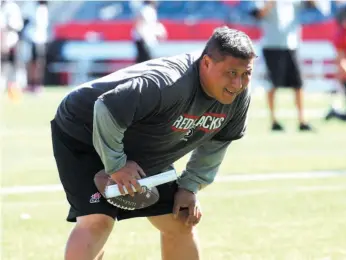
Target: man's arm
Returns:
[[262, 8], [114, 112], [203, 165], [107, 138], [15, 22], [206, 159]]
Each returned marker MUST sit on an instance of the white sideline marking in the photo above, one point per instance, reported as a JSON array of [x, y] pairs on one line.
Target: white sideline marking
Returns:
[[231, 178], [280, 176], [31, 189], [264, 191]]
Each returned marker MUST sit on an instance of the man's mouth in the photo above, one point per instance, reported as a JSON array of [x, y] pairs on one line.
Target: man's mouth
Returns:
[[233, 93]]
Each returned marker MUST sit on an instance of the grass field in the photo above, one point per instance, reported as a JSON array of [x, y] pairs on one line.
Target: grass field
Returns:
[[267, 219]]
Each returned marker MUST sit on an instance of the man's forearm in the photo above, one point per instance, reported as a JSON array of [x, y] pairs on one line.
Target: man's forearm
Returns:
[[107, 139], [203, 165]]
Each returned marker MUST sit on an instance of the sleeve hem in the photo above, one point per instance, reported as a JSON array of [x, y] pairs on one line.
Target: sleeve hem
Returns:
[[118, 164], [188, 185]]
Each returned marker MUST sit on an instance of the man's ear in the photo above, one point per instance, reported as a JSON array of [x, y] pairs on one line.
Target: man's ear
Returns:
[[206, 60]]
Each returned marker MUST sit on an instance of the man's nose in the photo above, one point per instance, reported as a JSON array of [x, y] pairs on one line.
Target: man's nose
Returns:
[[237, 83]]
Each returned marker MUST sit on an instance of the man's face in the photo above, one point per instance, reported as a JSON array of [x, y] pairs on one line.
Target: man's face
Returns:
[[225, 80]]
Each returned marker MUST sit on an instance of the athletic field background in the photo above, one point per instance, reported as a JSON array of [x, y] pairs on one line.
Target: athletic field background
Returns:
[[278, 195]]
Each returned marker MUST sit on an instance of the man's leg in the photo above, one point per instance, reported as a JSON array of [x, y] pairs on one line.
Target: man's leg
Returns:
[[88, 237], [294, 80], [77, 164], [271, 104], [178, 241], [299, 99], [276, 68]]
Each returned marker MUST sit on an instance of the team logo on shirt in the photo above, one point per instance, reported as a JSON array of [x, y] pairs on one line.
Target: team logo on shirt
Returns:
[[188, 134], [208, 122]]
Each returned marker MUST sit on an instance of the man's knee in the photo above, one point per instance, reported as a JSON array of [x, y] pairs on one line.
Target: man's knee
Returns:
[[96, 224], [88, 237], [170, 226]]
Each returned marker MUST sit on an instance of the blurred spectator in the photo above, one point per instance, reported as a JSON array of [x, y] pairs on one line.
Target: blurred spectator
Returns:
[[281, 36], [147, 30], [35, 33], [340, 46], [11, 23]]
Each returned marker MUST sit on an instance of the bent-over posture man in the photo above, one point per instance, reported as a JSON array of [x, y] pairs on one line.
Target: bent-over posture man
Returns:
[[140, 120]]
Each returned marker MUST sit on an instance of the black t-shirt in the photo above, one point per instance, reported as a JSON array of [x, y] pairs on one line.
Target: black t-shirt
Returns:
[[162, 106]]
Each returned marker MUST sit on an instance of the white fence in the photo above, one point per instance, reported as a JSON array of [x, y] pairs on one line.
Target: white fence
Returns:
[[315, 60]]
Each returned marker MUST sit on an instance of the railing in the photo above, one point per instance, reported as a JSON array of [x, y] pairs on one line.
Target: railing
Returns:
[[316, 61]]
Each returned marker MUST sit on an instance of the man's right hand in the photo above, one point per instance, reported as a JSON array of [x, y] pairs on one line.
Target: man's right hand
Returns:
[[127, 177]]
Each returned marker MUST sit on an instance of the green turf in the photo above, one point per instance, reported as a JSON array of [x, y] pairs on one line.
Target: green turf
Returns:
[[26, 140], [300, 219], [296, 219]]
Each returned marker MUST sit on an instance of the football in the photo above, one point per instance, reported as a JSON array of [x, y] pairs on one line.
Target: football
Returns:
[[145, 199]]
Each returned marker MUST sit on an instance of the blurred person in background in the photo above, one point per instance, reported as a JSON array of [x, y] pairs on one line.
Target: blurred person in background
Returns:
[[281, 35], [11, 23], [147, 30], [35, 34], [340, 46]]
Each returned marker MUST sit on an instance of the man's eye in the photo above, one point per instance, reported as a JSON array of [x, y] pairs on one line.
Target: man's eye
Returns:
[[233, 73]]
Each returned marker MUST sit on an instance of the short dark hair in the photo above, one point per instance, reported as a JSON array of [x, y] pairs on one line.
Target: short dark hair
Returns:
[[229, 42]]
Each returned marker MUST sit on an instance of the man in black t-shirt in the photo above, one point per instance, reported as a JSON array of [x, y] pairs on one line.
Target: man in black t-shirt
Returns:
[[140, 120]]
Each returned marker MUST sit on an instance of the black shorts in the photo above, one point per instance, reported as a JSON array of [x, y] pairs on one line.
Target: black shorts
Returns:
[[283, 68], [77, 165], [143, 51], [9, 57], [38, 51]]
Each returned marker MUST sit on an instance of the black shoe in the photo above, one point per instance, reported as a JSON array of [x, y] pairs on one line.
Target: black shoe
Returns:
[[277, 127], [330, 115], [305, 127]]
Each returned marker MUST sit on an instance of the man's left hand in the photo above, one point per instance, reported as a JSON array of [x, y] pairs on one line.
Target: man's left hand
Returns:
[[186, 202]]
